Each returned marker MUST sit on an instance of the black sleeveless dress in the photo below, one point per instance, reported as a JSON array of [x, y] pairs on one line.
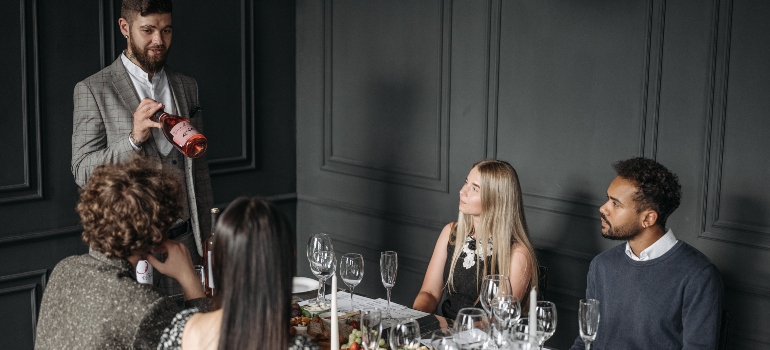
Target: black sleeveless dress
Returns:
[[466, 286]]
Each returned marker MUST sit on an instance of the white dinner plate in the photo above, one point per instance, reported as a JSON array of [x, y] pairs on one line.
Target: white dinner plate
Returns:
[[303, 284]]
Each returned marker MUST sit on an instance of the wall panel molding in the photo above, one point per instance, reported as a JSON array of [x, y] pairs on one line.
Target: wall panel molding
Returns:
[[247, 159], [436, 180], [649, 115], [379, 214], [32, 283], [406, 262], [714, 227], [45, 234], [493, 77], [31, 187]]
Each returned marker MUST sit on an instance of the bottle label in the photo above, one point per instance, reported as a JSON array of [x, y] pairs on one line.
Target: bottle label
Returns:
[[183, 131], [211, 270], [144, 272]]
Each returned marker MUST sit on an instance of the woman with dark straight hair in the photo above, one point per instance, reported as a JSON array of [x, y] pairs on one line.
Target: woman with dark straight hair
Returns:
[[254, 262]]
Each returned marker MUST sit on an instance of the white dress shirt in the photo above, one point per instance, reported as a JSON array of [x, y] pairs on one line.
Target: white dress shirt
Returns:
[[656, 250], [156, 89]]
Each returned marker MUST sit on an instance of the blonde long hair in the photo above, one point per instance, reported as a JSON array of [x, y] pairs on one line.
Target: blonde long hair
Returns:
[[502, 219]]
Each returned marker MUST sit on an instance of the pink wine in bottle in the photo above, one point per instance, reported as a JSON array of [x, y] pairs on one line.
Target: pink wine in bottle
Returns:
[[182, 134]]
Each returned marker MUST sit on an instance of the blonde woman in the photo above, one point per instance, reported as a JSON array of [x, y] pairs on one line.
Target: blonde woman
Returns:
[[490, 211]]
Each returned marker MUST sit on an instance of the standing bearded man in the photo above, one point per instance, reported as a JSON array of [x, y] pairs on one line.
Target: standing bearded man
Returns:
[[111, 119]]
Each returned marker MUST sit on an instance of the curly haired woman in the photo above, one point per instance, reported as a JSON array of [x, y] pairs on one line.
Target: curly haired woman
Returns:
[[93, 301]]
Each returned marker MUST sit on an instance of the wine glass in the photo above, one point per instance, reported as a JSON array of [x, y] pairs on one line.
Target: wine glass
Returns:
[[442, 339], [471, 329], [546, 317], [323, 265], [371, 328], [405, 335], [388, 270], [521, 329], [522, 341], [352, 271], [507, 310], [589, 320], [320, 254], [491, 287]]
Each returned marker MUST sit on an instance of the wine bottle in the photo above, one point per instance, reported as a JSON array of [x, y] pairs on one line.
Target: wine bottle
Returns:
[[208, 255], [144, 272], [182, 134]]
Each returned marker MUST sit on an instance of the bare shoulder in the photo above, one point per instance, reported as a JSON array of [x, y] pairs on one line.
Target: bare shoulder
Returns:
[[198, 331], [519, 252], [443, 238]]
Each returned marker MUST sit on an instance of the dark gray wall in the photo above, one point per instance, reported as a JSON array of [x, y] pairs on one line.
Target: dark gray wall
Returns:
[[396, 99], [241, 53]]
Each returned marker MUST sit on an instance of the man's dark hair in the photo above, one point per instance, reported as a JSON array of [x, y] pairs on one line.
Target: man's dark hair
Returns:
[[131, 8], [657, 188]]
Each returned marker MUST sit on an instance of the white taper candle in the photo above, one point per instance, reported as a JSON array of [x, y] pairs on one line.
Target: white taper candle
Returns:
[[532, 313], [335, 341]]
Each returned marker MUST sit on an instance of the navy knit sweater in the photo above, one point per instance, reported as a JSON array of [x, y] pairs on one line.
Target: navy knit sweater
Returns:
[[672, 302]]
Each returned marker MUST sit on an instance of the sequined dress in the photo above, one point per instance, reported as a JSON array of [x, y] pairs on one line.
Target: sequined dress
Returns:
[[172, 337]]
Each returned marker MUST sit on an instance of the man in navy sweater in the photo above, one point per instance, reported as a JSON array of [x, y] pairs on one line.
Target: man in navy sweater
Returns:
[[655, 292]]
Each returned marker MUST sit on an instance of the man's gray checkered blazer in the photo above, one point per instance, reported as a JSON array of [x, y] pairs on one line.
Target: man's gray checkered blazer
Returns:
[[104, 116]]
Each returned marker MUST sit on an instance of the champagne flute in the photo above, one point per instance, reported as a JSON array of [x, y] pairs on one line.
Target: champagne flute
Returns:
[[320, 254], [371, 328], [388, 271], [471, 329], [405, 335], [352, 271], [546, 317], [589, 320]]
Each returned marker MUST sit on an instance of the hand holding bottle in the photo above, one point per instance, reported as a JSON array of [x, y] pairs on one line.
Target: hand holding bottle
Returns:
[[142, 119]]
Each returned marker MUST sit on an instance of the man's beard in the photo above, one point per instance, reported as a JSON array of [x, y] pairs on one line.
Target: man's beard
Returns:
[[621, 233], [150, 64]]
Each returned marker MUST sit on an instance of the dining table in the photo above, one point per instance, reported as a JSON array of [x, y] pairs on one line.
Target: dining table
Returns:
[[428, 322]]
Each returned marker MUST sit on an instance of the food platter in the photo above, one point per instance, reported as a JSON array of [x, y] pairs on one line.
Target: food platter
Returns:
[[303, 284]]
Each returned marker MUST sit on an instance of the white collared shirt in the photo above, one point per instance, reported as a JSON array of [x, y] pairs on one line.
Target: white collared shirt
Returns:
[[156, 89], [656, 250]]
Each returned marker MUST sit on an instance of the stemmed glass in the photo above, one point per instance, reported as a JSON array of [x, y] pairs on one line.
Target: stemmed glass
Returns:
[[589, 320], [546, 318], [371, 328], [442, 339], [507, 310], [352, 271], [492, 287], [388, 270], [471, 329], [520, 333], [405, 335], [522, 341], [320, 254]]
